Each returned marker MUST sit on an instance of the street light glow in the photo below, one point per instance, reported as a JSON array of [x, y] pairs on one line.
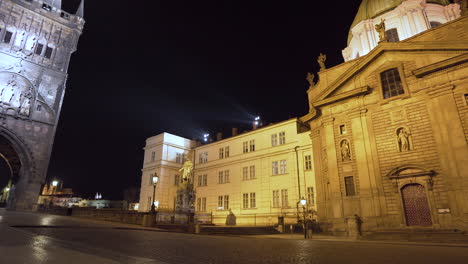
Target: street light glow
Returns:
[[156, 204], [54, 183], [303, 201], [7, 189], [205, 137], [155, 179], [257, 118]]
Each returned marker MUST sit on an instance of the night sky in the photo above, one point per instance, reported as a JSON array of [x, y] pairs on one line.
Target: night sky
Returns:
[[184, 67]]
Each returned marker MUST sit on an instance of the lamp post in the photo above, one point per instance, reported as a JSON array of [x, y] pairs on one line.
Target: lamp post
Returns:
[[155, 182], [304, 202]]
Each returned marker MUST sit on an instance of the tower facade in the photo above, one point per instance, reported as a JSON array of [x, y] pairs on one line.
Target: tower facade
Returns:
[[37, 39]]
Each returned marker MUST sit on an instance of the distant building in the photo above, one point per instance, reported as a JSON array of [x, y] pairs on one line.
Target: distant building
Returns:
[[389, 127], [259, 175]]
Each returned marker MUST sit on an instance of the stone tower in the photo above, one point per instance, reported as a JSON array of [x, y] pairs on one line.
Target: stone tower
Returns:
[[37, 39]]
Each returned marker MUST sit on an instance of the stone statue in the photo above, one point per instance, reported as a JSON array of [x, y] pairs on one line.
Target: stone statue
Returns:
[[380, 28], [310, 78], [463, 6], [321, 61], [345, 151], [403, 139], [186, 169]]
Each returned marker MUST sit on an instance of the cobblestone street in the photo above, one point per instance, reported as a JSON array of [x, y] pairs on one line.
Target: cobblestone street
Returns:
[[34, 238]]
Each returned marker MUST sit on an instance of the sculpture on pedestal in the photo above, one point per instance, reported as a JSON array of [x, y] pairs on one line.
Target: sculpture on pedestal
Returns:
[[380, 28], [185, 201], [321, 61]]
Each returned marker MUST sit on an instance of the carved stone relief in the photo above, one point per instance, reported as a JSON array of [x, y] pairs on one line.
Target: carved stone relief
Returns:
[[345, 150], [404, 139], [16, 92]]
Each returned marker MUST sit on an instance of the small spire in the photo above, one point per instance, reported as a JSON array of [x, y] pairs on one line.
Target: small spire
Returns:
[[80, 11]]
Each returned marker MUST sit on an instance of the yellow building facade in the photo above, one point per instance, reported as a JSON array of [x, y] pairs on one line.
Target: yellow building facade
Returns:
[[389, 133], [258, 175]]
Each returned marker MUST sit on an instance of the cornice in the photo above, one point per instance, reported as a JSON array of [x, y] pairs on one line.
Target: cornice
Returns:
[[442, 65]]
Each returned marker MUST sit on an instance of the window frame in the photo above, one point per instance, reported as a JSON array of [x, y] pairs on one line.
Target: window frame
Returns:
[[399, 67], [346, 184]]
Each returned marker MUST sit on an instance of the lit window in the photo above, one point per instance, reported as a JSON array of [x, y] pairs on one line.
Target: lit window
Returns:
[[252, 172], [342, 129], [274, 140], [276, 202], [308, 162], [245, 147], [349, 185], [274, 168], [391, 83], [282, 138], [220, 202], [252, 145], [392, 35], [7, 37]]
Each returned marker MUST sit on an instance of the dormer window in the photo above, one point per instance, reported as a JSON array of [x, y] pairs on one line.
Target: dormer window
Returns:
[[435, 24], [391, 83], [392, 35], [48, 52], [46, 7], [7, 37], [39, 49], [65, 15]]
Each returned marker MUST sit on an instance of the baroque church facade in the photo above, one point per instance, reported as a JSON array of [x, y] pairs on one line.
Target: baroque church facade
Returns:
[[37, 39], [389, 126]]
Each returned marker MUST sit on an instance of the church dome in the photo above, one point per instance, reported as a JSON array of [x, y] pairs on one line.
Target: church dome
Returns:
[[373, 8]]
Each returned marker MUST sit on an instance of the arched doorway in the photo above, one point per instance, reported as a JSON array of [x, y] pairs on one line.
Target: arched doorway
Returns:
[[415, 205]]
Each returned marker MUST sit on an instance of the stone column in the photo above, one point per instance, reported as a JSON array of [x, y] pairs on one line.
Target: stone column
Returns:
[[452, 147]]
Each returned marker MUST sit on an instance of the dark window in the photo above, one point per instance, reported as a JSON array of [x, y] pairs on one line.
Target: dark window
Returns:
[[349, 185], [392, 35], [46, 7], [7, 37], [64, 15], [435, 24], [39, 48], [48, 52], [28, 1], [391, 83]]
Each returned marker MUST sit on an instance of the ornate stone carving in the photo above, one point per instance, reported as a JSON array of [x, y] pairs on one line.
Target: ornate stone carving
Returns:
[[16, 92], [186, 170], [404, 139], [345, 150], [321, 61], [310, 78], [380, 28]]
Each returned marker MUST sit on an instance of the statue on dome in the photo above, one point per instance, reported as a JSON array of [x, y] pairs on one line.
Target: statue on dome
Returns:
[[321, 61], [380, 28], [310, 78]]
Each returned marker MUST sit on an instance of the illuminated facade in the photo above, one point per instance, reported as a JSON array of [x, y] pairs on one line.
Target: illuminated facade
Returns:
[[258, 175], [390, 128], [37, 39], [403, 20]]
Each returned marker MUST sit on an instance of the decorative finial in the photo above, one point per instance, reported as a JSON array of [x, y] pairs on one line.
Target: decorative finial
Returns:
[[380, 28], [310, 78], [321, 61]]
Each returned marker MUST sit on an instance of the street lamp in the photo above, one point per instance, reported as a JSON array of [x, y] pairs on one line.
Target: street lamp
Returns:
[[304, 202], [154, 180]]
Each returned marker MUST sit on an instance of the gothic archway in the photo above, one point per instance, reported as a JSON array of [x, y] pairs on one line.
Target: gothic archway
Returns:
[[416, 205], [18, 166]]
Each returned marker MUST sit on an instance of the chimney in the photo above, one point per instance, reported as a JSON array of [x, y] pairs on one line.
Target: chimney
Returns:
[[219, 136], [235, 131]]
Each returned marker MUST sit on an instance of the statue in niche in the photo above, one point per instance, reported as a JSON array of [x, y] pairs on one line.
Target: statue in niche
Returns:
[[380, 28], [403, 138], [25, 103], [310, 78], [186, 170], [345, 150], [321, 61]]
